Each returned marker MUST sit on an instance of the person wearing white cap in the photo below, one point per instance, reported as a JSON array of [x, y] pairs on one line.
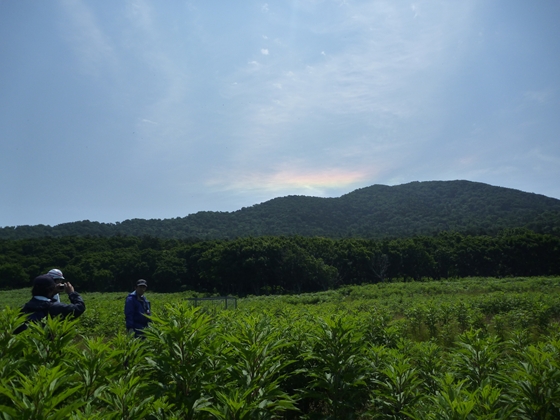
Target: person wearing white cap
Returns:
[[56, 275], [137, 309]]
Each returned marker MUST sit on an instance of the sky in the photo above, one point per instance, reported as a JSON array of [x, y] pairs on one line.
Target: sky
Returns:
[[115, 110]]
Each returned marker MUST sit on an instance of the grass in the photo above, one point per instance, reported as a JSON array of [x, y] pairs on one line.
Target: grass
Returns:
[[535, 299]]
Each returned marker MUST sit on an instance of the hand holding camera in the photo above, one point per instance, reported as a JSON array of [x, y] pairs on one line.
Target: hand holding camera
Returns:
[[66, 287]]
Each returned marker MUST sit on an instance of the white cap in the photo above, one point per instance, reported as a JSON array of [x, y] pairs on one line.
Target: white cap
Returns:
[[56, 274]]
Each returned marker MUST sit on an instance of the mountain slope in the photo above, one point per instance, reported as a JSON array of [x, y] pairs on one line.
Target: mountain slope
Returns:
[[373, 212]]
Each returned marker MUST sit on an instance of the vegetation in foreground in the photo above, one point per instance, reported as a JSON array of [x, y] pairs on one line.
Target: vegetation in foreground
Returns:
[[476, 348]]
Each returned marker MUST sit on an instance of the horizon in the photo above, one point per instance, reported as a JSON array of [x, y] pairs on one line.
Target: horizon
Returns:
[[274, 198]]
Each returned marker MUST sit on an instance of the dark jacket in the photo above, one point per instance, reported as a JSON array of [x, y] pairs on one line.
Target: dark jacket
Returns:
[[38, 309], [135, 311]]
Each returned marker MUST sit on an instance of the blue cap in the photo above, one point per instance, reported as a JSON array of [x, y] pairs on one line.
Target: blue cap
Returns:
[[44, 281]]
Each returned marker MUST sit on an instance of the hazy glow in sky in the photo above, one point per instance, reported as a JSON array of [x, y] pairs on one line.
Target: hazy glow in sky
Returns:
[[150, 109]]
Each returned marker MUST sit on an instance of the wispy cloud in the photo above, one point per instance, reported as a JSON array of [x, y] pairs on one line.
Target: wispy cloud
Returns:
[[538, 96], [140, 12], [545, 157], [84, 32], [163, 95]]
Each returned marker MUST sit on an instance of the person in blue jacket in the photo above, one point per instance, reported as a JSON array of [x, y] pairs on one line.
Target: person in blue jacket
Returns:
[[137, 309], [42, 303]]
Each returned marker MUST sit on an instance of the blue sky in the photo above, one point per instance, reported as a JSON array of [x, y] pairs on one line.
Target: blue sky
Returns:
[[113, 110]]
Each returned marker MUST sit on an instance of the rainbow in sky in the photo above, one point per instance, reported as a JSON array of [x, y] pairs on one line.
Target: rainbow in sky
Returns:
[[289, 181]]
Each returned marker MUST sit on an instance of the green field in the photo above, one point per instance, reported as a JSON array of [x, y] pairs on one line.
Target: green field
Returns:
[[477, 348]]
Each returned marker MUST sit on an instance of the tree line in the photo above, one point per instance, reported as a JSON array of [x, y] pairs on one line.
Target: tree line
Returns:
[[273, 265]]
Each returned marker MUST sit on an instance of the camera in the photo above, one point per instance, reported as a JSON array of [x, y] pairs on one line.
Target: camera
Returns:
[[60, 286]]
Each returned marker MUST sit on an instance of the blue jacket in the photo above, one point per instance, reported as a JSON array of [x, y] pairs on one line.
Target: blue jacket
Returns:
[[37, 309], [135, 312]]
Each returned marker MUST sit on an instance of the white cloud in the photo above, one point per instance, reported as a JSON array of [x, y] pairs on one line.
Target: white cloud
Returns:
[[264, 51], [253, 66]]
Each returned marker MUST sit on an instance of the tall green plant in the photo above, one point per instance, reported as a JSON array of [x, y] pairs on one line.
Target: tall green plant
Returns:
[[336, 366], [397, 390], [96, 364], [11, 345], [126, 398], [533, 384], [43, 393], [255, 368], [429, 360], [477, 358], [46, 342], [184, 343]]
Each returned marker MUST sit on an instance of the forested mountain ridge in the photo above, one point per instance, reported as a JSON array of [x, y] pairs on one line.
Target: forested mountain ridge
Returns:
[[378, 211]]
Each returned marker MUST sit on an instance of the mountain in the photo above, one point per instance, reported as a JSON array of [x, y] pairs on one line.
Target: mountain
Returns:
[[378, 211]]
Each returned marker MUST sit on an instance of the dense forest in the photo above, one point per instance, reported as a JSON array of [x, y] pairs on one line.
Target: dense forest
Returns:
[[295, 244], [274, 265], [375, 212]]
